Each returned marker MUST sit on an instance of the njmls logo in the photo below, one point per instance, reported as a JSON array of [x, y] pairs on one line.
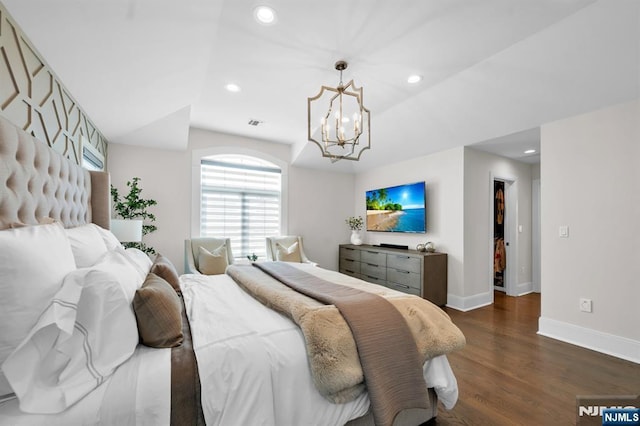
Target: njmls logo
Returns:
[[594, 410], [623, 416], [608, 410]]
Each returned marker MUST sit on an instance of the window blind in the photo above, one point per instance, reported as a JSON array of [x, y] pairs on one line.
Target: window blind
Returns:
[[240, 200]]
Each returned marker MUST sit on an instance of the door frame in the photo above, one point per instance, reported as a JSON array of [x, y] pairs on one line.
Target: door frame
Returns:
[[511, 236]]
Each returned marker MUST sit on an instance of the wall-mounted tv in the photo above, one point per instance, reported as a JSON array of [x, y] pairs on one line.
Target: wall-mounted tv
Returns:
[[399, 208]]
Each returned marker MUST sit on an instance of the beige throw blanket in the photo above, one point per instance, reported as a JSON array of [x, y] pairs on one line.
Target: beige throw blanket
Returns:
[[387, 351], [331, 349]]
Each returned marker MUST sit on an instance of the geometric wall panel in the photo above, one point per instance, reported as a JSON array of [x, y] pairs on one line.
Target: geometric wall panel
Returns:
[[32, 97]]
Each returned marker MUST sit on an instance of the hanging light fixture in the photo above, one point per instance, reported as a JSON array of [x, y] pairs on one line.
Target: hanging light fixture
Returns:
[[338, 121]]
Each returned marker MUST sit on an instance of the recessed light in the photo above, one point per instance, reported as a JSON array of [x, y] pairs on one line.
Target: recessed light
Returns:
[[232, 87], [264, 15], [530, 151], [413, 79]]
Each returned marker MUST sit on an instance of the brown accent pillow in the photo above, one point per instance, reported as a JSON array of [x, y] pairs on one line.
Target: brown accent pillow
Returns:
[[158, 313], [212, 263], [163, 268]]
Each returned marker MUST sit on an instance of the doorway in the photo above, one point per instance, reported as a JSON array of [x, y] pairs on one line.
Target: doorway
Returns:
[[502, 238], [499, 243]]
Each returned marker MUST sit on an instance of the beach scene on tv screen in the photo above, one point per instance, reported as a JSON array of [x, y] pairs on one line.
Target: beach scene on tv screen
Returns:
[[396, 209]]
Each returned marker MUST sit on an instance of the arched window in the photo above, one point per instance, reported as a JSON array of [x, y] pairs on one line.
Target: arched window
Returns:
[[240, 198]]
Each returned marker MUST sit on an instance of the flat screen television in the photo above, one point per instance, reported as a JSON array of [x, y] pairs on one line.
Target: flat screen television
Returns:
[[399, 208]]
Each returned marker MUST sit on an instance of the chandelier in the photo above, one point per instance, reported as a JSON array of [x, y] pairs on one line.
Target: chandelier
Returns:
[[338, 121]]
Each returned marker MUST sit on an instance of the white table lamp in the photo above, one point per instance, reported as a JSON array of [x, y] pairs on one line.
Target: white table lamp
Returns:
[[127, 230]]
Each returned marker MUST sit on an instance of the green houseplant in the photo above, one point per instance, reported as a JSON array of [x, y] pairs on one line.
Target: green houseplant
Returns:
[[133, 206]]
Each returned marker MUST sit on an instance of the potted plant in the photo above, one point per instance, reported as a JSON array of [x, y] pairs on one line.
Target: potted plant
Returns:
[[355, 224], [133, 206]]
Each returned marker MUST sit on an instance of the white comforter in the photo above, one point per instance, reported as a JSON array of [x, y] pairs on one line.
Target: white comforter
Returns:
[[253, 366]]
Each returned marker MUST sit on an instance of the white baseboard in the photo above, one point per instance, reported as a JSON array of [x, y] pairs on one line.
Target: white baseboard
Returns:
[[465, 304], [524, 288], [610, 344]]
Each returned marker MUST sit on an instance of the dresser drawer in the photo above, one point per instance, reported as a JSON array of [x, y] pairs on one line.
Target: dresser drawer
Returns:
[[372, 279], [374, 258], [406, 278], [404, 288], [404, 263], [350, 273], [349, 253], [371, 270], [350, 265]]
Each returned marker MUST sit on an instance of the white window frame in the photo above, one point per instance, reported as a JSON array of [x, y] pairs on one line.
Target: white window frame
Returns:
[[198, 154]]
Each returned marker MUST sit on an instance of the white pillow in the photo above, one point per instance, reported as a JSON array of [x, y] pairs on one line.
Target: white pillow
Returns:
[[85, 333], [140, 260], [288, 254], [109, 239], [87, 244], [33, 262], [118, 263]]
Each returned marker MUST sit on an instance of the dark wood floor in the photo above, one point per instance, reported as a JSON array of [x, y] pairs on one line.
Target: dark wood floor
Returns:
[[507, 374]]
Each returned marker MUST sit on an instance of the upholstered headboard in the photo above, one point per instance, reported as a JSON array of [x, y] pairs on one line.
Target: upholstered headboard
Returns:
[[36, 182]]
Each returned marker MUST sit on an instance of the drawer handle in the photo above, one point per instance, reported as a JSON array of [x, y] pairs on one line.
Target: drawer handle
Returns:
[[347, 248], [403, 257], [372, 264], [373, 278], [404, 272], [372, 252], [403, 286], [351, 272], [349, 260]]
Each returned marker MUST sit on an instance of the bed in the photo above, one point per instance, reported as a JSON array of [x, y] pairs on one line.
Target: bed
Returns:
[[236, 361]]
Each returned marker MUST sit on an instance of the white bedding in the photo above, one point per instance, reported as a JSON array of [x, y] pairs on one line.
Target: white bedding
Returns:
[[253, 366], [137, 394]]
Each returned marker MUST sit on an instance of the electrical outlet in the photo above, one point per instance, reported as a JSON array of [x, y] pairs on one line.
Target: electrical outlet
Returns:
[[586, 305]]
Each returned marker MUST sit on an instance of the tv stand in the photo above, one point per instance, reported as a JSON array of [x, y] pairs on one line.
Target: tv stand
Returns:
[[409, 271]]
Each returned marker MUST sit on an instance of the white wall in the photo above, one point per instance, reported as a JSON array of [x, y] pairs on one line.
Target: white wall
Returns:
[[318, 202], [165, 177], [479, 167], [591, 182], [443, 175], [535, 171]]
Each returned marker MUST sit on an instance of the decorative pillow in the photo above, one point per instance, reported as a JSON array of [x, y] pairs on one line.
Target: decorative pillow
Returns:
[[41, 221], [213, 263], [288, 254], [33, 262], [109, 239], [159, 313], [87, 330], [163, 268], [87, 244]]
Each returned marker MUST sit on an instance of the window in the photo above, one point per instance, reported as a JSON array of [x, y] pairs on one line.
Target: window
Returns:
[[240, 199], [92, 159]]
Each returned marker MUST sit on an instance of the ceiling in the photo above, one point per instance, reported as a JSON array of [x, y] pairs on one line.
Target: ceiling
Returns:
[[493, 71]]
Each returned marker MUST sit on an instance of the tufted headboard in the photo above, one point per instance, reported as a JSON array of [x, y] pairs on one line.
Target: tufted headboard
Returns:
[[36, 182]]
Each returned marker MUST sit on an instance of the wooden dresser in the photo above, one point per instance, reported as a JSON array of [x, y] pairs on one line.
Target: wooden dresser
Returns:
[[409, 271]]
